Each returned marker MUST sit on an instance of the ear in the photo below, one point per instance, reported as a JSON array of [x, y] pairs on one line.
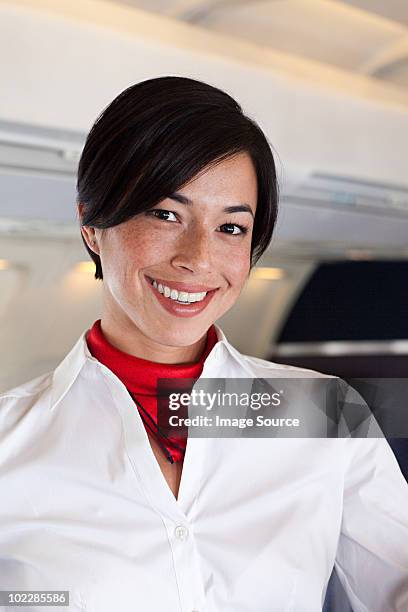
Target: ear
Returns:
[[87, 232]]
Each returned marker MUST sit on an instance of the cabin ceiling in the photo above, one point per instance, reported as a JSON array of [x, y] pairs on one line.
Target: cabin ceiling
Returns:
[[367, 37]]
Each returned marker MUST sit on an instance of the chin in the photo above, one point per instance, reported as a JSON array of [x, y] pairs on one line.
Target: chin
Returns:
[[180, 335]]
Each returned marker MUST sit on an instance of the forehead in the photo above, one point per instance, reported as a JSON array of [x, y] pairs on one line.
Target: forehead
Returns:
[[229, 181]]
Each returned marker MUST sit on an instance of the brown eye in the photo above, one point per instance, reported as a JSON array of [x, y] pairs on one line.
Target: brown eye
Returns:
[[232, 227], [162, 214]]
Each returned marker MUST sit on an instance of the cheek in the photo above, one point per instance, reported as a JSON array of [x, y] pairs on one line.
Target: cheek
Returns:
[[237, 266], [136, 249], [148, 243]]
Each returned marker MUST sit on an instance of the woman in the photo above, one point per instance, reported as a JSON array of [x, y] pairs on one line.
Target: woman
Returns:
[[177, 200]]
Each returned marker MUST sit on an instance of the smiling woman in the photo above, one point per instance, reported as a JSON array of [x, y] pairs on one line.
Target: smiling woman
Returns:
[[177, 200], [171, 271], [188, 199]]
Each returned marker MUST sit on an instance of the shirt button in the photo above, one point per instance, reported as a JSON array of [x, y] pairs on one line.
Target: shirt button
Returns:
[[181, 532]]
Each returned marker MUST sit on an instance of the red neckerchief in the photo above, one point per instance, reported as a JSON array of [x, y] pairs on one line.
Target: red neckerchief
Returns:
[[140, 378]]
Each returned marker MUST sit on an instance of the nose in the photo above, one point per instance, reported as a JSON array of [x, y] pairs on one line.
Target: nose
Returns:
[[194, 251]]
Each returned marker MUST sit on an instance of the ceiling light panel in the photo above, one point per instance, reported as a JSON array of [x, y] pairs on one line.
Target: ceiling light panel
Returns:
[[394, 10], [323, 31]]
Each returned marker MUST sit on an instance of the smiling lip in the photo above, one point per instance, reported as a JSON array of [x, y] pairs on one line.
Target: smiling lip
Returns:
[[180, 286], [181, 310]]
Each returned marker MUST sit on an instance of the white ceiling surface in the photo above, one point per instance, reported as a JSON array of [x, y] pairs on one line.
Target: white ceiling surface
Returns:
[[361, 36]]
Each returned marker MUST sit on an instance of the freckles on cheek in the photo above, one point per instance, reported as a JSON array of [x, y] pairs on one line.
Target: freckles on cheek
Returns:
[[152, 245]]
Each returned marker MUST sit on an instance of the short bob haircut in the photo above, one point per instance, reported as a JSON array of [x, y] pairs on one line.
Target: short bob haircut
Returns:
[[154, 138]]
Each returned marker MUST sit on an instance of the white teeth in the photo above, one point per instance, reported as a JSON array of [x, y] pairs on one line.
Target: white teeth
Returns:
[[180, 296], [196, 297]]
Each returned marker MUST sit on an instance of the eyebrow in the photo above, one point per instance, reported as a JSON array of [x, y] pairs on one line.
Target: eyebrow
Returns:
[[178, 197]]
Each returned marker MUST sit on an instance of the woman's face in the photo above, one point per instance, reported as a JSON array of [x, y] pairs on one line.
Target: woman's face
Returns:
[[198, 240]]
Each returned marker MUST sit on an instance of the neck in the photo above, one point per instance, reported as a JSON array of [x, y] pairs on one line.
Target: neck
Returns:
[[123, 334]]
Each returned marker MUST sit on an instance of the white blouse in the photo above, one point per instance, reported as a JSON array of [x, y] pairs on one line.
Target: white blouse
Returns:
[[257, 526]]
